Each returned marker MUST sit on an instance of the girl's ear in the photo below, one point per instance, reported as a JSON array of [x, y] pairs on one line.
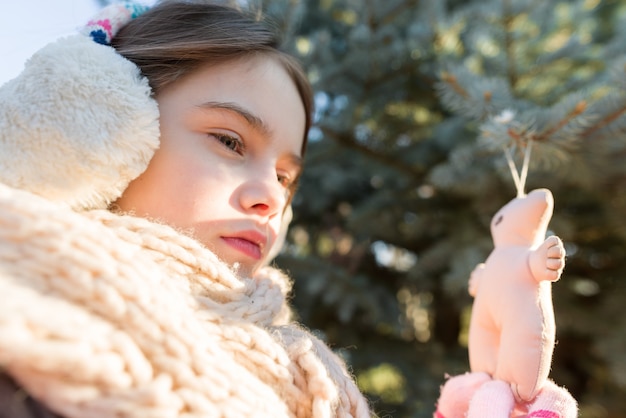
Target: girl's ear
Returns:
[[77, 125]]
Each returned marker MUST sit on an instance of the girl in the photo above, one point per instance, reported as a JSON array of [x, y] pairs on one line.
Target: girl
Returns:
[[145, 184], [146, 171]]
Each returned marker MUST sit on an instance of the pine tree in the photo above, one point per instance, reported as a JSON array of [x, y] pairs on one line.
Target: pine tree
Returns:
[[417, 102]]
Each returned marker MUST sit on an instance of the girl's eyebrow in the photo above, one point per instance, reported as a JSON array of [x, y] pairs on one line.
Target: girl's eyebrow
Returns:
[[255, 121], [296, 161]]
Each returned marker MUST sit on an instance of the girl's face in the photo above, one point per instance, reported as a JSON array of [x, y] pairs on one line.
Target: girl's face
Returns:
[[231, 140]]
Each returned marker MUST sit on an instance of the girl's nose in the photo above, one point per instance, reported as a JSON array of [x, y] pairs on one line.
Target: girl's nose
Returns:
[[263, 196]]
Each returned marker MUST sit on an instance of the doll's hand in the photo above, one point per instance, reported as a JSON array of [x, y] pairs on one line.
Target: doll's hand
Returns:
[[548, 260], [474, 280]]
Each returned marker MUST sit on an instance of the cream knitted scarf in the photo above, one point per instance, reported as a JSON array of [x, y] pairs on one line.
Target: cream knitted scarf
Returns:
[[104, 315]]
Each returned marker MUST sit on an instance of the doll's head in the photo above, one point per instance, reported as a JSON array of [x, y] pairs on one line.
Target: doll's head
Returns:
[[524, 220]]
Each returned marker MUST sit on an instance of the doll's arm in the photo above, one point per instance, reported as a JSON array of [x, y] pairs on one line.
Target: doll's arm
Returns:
[[474, 280], [548, 260]]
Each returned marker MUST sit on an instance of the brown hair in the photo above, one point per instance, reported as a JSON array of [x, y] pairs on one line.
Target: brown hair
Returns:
[[177, 37]]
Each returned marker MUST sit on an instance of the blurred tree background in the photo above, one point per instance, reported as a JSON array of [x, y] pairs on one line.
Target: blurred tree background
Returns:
[[404, 169]]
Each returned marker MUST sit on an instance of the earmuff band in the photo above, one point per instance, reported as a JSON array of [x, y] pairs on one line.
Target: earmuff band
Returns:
[[103, 27]]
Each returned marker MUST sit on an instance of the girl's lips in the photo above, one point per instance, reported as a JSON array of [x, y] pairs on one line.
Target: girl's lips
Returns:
[[249, 248]]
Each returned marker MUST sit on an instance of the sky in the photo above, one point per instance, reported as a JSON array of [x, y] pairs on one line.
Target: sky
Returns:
[[28, 25]]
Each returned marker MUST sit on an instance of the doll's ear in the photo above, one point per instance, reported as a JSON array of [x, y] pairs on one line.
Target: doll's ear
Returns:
[[77, 125]]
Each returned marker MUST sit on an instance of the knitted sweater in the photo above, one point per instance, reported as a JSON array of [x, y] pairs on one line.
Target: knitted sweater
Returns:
[[109, 315], [106, 315]]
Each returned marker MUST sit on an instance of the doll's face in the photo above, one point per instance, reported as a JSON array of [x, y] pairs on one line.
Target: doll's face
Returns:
[[230, 148]]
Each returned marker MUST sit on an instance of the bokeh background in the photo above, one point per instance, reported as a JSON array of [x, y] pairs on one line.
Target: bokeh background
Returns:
[[405, 168], [416, 101]]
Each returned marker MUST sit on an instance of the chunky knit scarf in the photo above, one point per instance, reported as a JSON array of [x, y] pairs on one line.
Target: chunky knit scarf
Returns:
[[105, 315]]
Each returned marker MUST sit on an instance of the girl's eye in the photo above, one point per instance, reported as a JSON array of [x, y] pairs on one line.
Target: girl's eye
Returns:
[[284, 180], [289, 183], [232, 143]]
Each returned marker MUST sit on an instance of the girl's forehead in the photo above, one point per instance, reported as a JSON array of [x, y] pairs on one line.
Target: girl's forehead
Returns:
[[235, 76], [258, 89]]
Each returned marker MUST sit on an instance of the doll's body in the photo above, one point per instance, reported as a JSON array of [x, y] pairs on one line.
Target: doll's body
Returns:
[[512, 327], [512, 330]]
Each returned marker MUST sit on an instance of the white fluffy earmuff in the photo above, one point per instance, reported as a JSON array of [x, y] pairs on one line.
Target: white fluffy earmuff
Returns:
[[77, 125]]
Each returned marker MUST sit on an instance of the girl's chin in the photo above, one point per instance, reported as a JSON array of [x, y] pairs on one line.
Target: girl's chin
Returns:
[[242, 265], [244, 270]]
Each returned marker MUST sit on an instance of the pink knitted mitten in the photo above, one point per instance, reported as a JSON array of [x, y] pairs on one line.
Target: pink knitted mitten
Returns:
[[494, 399], [456, 394], [553, 402], [476, 395]]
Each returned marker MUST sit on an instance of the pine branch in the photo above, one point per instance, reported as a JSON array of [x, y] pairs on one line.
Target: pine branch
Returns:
[[397, 11], [508, 43], [386, 159], [475, 104], [454, 84], [545, 135], [605, 121]]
